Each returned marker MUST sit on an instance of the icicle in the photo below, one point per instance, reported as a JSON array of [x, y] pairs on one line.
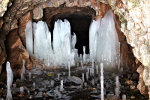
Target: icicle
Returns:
[[62, 43], [29, 74], [23, 70], [96, 69], [102, 81], [9, 81], [61, 85], [29, 37], [93, 63], [42, 41], [83, 77], [87, 75], [93, 32], [69, 73], [117, 89], [21, 90], [84, 55], [124, 97]]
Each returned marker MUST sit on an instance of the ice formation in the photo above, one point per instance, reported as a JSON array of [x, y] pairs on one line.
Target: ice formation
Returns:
[[117, 89], [29, 37], [63, 43], [23, 70], [104, 45], [9, 81], [42, 42], [102, 81]]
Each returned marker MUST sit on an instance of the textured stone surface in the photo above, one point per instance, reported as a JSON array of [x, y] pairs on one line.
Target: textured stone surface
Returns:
[[3, 6], [22, 25], [37, 13], [16, 51]]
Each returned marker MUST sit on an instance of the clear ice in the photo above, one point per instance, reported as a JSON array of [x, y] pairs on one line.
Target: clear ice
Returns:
[[29, 37], [104, 44], [63, 43], [9, 81]]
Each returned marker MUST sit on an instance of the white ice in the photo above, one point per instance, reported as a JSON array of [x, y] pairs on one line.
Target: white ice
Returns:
[[23, 70], [29, 37], [104, 44], [9, 81], [102, 81]]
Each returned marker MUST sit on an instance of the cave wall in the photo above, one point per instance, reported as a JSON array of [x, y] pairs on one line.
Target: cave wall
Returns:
[[133, 21]]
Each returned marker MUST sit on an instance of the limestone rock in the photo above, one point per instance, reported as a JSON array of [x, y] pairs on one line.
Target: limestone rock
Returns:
[[38, 13], [1, 23], [3, 7], [16, 51], [22, 25]]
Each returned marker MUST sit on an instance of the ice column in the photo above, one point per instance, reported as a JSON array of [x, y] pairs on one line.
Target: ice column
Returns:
[[93, 32], [104, 44], [42, 41], [23, 70], [29, 37], [117, 89], [107, 41], [9, 81], [102, 81], [62, 43]]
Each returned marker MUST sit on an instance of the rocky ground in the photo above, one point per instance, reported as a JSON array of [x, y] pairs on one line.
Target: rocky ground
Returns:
[[44, 84]]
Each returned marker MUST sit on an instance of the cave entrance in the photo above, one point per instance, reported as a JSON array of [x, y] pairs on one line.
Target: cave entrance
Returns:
[[80, 20]]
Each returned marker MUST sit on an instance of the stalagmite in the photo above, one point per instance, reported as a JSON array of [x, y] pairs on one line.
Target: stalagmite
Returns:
[[117, 89], [93, 32], [23, 70], [42, 41], [104, 44], [62, 43], [102, 81], [61, 85], [9, 81]]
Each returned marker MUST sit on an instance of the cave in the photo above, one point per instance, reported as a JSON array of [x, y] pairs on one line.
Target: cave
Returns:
[[42, 58]]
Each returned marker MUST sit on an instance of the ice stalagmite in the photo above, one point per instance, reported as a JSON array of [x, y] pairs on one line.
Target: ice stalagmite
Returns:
[[104, 44], [42, 42], [107, 41], [9, 81], [29, 37], [62, 43], [93, 32]]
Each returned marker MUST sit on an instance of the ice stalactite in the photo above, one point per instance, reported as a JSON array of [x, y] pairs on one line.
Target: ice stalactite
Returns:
[[23, 70], [29, 37], [42, 42], [104, 44], [93, 32], [62, 43], [9, 81]]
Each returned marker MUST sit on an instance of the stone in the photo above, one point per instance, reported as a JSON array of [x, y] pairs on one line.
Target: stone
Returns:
[[22, 25], [3, 7], [16, 51], [38, 13], [0, 69], [1, 22], [0, 50], [14, 25]]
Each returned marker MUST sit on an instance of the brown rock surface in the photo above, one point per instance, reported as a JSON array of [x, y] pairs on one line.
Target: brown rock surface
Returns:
[[22, 25], [16, 51]]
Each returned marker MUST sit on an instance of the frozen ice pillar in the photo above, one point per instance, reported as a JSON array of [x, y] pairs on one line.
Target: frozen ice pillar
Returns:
[[29, 37], [9, 80], [42, 42], [104, 44], [107, 42], [62, 43]]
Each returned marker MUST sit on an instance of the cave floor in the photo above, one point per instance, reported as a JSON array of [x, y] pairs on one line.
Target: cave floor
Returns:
[[45, 84]]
